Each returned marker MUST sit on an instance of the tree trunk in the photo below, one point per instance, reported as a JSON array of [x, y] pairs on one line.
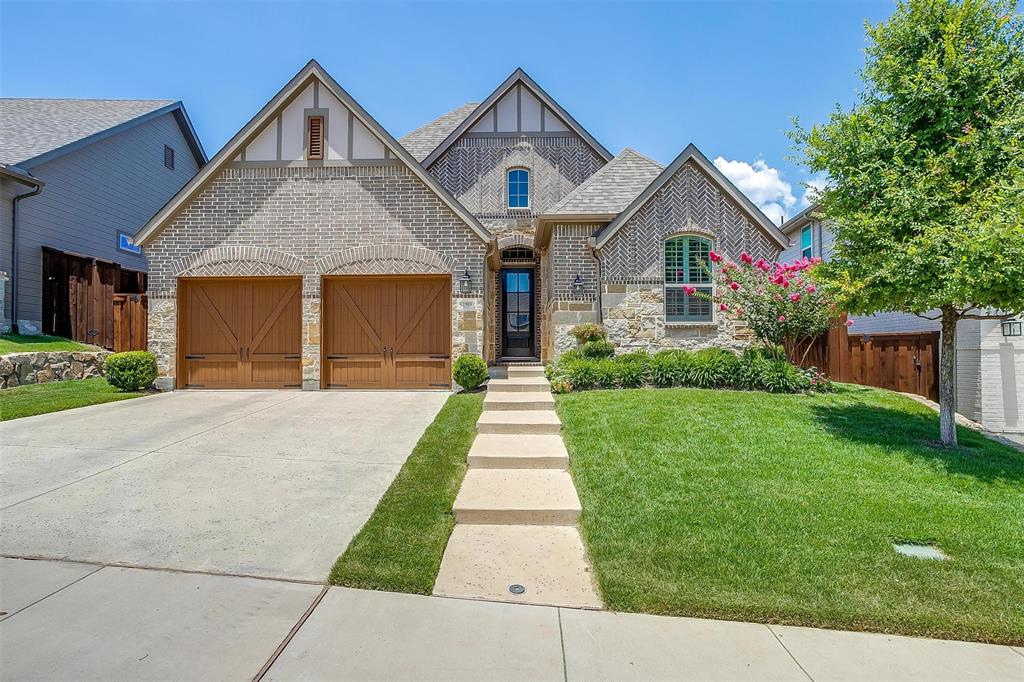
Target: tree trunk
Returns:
[[947, 378]]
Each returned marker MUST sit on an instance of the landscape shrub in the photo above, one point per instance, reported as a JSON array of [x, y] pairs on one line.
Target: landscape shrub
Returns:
[[469, 371], [585, 333], [595, 350], [131, 371], [581, 374], [711, 367], [606, 372], [633, 372], [781, 376]]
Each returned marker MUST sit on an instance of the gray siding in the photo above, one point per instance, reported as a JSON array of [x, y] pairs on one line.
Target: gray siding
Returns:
[[91, 194]]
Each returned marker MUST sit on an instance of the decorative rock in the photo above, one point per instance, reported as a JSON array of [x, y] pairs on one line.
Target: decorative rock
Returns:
[[19, 369]]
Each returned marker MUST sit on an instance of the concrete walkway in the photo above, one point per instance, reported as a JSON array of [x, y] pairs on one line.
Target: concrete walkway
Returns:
[[79, 621], [515, 536]]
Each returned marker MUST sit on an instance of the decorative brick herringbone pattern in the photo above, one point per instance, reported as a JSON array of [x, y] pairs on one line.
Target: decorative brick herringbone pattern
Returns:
[[690, 202], [474, 169]]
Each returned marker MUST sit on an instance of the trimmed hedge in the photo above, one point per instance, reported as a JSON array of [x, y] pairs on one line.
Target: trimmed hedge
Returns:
[[754, 369], [469, 371], [133, 370]]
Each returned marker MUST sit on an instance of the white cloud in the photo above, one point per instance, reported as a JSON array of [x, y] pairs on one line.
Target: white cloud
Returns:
[[811, 189], [762, 184]]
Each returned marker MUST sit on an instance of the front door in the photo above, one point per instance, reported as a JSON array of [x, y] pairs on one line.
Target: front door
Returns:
[[517, 313]]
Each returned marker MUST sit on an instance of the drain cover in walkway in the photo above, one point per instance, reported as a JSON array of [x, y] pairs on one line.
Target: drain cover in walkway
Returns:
[[919, 551]]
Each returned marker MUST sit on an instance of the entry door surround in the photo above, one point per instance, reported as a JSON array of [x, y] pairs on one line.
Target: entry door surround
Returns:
[[518, 312], [386, 332]]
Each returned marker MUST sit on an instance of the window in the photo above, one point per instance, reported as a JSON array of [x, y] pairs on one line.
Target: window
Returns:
[[686, 260], [315, 143], [126, 243], [806, 242], [169, 157], [519, 188]]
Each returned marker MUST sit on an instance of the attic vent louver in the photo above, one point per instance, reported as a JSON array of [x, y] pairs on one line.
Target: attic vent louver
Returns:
[[316, 138]]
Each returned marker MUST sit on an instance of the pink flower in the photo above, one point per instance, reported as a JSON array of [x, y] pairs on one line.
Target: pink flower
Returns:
[[762, 265], [811, 288], [778, 297], [734, 286], [794, 297], [746, 258], [785, 284], [849, 323], [723, 306], [690, 291], [782, 318], [715, 257]]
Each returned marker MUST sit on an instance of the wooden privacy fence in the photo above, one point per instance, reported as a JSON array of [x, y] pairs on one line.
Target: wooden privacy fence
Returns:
[[81, 300], [131, 313], [907, 362]]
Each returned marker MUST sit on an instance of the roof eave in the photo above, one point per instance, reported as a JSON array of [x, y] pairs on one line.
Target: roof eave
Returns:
[[546, 222], [114, 130], [20, 175]]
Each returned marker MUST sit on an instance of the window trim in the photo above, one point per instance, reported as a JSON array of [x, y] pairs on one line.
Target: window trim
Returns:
[[508, 182], [709, 286], [169, 154], [808, 229]]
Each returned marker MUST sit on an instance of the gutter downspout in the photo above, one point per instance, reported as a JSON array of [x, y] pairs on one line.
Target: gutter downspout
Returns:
[[14, 253]]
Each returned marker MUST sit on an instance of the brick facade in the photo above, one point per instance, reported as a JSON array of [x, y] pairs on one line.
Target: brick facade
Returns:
[[366, 219]]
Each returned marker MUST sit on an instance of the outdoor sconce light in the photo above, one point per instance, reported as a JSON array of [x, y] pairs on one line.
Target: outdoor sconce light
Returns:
[[577, 287], [466, 282], [1012, 327]]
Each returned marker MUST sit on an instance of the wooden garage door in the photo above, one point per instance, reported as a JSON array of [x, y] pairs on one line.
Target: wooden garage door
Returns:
[[240, 333], [386, 332]]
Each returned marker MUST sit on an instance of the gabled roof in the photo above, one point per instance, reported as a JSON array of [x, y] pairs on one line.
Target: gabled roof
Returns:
[[518, 76], [611, 188], [33, 131], [249, 131], [425, 139], [691, 153]]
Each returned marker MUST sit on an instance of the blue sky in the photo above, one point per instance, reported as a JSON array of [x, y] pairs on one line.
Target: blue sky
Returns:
[[728, 76]]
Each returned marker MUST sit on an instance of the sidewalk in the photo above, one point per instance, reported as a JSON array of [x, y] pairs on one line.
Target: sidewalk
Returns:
[[80, 621]]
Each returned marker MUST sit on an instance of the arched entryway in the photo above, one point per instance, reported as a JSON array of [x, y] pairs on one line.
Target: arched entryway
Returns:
[[517, 311]]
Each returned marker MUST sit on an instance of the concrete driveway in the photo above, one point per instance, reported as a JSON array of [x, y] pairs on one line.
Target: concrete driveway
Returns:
[[263, 484]]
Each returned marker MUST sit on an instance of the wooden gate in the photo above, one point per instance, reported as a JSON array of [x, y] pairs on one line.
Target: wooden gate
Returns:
[[131, 314], [386, 332], [78, 297], [906, 362], [240, 333]]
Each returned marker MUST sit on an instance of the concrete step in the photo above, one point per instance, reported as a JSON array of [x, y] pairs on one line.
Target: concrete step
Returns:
[[519, 422], [519, 385], [483, 561], [517, 496], [519, 401], [515, 451], [518, 371]]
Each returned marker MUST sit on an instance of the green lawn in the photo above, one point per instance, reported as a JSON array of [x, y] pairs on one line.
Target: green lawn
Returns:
[[400, 547], [25, 401], [782, 509], [18, 343]]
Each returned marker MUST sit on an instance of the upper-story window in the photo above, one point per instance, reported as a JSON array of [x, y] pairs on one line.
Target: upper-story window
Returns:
[[518, 188], [687, 266], [806, 242]]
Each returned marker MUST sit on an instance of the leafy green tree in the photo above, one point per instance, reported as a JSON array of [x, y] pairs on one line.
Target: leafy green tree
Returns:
[[924, 174]]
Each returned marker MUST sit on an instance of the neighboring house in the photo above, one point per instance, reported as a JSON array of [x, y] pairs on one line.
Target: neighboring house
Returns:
[[78, 178], [315, 249], [989, 366]]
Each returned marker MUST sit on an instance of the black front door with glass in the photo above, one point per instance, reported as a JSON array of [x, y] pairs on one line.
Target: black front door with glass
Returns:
[[517, 313]]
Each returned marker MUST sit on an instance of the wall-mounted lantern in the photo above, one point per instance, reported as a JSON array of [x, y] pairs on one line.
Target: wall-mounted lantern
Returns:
[[1012, 327], [577, 287], [466, 282]]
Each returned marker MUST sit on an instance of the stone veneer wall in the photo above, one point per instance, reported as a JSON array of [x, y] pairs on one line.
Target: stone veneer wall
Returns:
[[19, 369], [267, 221]]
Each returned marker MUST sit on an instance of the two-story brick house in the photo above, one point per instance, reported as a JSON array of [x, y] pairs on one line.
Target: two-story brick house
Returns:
[[317, 250]]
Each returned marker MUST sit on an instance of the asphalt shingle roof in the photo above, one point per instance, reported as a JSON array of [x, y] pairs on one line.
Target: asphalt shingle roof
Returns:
[[30, 127], [426, 138], [611, 189]]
